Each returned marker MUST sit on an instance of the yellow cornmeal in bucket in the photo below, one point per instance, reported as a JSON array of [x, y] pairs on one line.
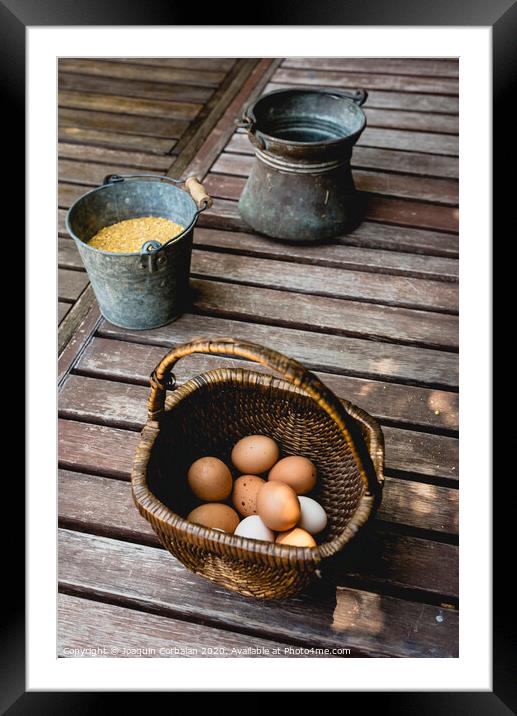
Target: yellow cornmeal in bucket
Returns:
[[128, 236]]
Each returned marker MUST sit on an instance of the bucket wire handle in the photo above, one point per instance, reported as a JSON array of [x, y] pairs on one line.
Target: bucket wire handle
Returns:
[[294, 372]]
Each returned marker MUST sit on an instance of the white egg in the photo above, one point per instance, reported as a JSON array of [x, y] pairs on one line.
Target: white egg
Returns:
[[313, 518], [253, 528]]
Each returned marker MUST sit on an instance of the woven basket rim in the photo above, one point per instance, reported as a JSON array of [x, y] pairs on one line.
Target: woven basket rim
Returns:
[[224, 543]]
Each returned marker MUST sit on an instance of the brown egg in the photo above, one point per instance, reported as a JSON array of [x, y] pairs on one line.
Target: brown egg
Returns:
[[296, 471], [210, 479], [296, 538], [245, 490], [215, 515], [255, 454], [278, 506]]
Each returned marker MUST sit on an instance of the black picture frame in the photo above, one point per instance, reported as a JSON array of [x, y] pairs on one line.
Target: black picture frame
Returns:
[[501, 15]]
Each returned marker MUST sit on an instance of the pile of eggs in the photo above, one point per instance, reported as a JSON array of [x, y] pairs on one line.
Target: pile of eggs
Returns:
[[269, 496]]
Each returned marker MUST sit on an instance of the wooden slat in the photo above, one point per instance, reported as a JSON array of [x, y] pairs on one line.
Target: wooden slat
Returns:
[[412, 101], [68, 255], [408, 66], [405, 186], [128, 105], [338, 354], [133, 88], [87, 628], [337, 255], [94, 502], [324, 281], [362, 158], [418, 241], [401, 404], [327, 315], [368, 235], [372, 624], [62, 310], [91, 173], [109, 139], [418, 406], [398, 139], [67, 194], [71, 284], [131, 124], [107, 508], [218, 64], [414, 214], [86, 153], [99, 448], [170, 75], [397, 83]]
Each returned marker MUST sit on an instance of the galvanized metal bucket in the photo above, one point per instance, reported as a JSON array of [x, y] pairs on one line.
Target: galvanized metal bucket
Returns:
[[301, 187], [150, 288]]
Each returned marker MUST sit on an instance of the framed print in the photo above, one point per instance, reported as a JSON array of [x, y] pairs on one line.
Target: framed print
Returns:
[[273, 355]]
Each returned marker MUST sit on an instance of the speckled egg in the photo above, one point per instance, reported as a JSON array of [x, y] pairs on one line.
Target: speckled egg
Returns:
[[244, 496]]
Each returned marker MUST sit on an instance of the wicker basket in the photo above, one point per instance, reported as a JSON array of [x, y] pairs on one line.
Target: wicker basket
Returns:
[[207, 415]]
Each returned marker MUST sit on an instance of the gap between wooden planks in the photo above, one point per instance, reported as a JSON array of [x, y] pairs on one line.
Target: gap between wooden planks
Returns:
[[399, 405], [319, 351], [324, 616], [390, 559]]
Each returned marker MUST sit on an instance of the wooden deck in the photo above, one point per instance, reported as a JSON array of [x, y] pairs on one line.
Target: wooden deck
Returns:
[[374, 315], [130, 115]]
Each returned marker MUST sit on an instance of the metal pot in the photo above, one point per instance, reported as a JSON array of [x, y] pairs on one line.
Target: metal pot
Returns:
[[150, 288], [301, 187]]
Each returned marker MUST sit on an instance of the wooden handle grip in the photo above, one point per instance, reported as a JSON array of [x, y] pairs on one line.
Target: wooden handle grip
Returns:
[[198, 192], [291, 370]]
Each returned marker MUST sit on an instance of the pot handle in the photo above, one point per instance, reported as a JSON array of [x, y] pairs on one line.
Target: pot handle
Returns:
[[291, 370], [246, 122], [193, 185], [359, 96]]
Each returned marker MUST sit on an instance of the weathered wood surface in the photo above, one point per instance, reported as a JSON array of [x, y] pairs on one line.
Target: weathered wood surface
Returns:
[[106, 138], [93, 447], [391, 403], [86, 153], [224, 214], [142, 72], [372, 624], [439, 191], [62, 310], [92, 101], [337, 255], [87, 500], [368, 80], [117, 117], [118, 632], [322, 351], [104, 506], [385, 65], [143, 89], [71, 284], [238, 161], [388, 139], [373, 314]]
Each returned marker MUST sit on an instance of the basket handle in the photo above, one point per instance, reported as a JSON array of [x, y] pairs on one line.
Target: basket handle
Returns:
[[290, 369]]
